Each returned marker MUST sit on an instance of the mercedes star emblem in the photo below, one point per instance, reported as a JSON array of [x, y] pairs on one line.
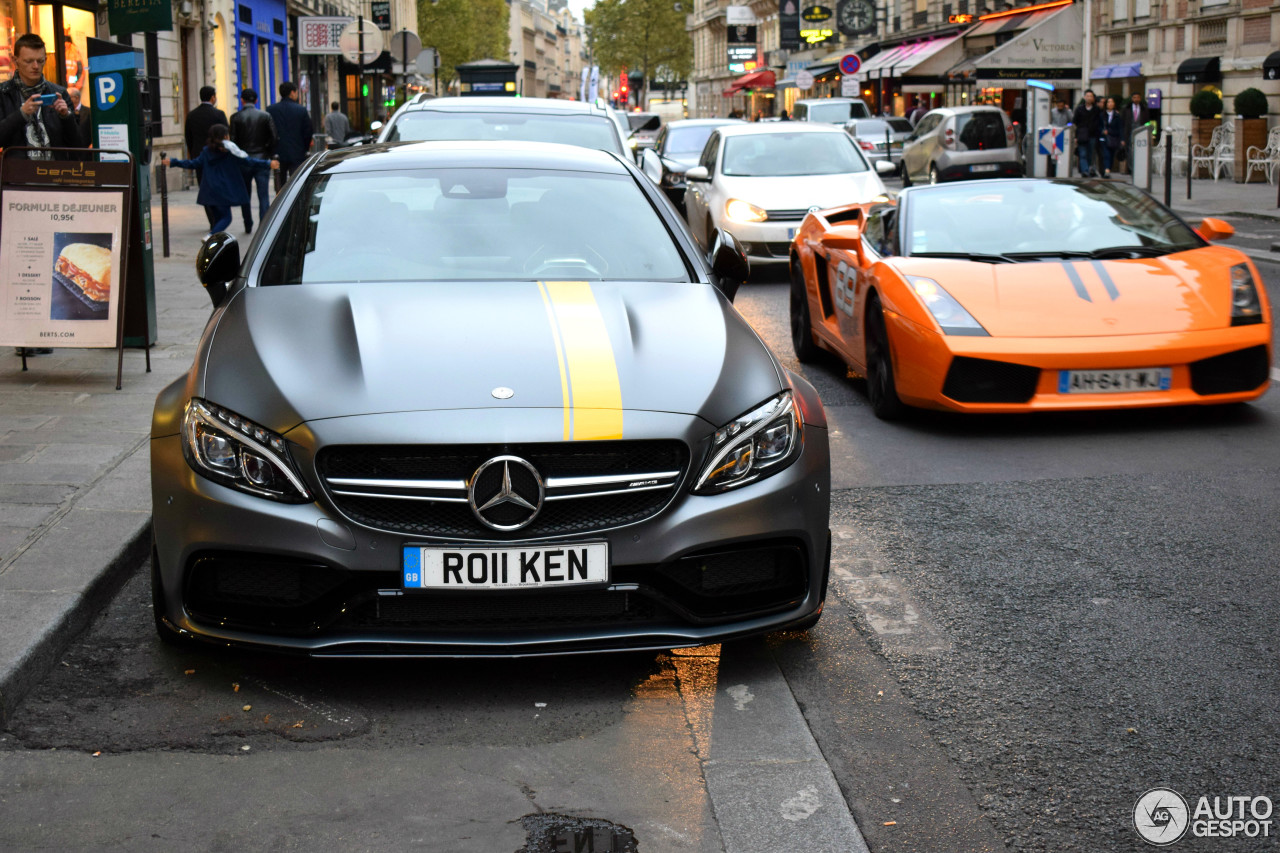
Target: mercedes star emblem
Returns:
[[506, 493]]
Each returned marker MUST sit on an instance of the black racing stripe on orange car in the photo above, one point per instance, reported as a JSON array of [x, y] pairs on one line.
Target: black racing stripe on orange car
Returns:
[[1076, 281], [1101, 269]]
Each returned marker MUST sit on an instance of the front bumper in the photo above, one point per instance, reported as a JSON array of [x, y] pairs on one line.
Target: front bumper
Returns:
[[245, 571], [925, 361], [766, 243]]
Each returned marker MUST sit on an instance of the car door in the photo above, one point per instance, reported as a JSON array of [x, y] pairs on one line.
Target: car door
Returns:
[[696, 193], [915, 156]]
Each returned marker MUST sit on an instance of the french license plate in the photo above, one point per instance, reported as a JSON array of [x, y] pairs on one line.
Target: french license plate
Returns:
[[523, 567], [989, 167], [1114, 381]]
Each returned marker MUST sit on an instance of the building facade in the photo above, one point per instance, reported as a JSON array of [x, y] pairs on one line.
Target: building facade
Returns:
[[548, 46]]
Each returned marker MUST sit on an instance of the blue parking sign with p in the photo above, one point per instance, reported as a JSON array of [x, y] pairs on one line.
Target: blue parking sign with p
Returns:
[[107, 91]]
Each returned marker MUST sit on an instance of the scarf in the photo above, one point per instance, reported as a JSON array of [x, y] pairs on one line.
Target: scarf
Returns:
[[37, 134]]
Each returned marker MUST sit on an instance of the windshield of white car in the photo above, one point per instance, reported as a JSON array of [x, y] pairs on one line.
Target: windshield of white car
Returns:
[[474, 225], [587, 131], [1021, 221], [688, 140], [791, 154]]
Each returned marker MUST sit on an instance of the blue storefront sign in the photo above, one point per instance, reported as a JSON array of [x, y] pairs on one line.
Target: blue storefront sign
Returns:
[[262, 47]]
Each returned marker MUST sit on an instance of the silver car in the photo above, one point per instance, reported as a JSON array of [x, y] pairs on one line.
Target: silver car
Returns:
[[880, 138], [953, 143], [475, 398]]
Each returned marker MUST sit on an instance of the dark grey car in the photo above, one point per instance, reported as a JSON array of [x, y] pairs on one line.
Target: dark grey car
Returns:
[[468, 398]]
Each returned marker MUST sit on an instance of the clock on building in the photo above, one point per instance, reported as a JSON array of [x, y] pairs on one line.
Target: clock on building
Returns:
[[856, 17]]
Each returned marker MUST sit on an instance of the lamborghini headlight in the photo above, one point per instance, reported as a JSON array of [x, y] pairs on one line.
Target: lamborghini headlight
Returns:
[[949, 313], [762, 442], [236, 452], [744, 211], [1245, 307]]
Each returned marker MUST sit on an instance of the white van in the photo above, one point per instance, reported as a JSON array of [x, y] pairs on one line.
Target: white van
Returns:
[[830, 110]]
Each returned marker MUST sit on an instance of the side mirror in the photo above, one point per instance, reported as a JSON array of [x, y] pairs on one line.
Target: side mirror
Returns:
[[698, 173], [729, 263], [1215, 229], [846, 238], [886, 167], [217, 263]]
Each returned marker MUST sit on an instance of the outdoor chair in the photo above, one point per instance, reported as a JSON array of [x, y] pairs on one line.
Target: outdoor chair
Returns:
[[1219, 154], [1265, 159], [1181, 145]]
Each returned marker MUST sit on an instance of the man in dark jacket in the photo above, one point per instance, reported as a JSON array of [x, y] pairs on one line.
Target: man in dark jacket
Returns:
[[253, 130], [25, 120], [1088, 124], [293, 124], [1135, 115], [196, 128]]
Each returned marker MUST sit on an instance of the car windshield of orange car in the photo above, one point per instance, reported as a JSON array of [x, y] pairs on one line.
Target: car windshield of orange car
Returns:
[[1032, 219], [759, 155], [586, 131], [472, 224]]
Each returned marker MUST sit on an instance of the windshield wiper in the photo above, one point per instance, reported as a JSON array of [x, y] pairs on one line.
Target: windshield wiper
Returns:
[[1056, 254], [979, 257], [1123, 252]]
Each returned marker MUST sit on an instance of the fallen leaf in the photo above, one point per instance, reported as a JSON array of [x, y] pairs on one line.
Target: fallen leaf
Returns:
[[247, 708], [189, 672], [879, 692], [1132, 731], [235, 688], [296, 725], [244, 748], [267, 718], [96, 754], [890, 823]]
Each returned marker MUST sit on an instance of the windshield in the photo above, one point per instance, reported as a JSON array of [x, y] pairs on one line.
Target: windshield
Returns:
[[587, 131], [835, 112], [688, 140], [786, 154], [472, 224], [1028, 220]]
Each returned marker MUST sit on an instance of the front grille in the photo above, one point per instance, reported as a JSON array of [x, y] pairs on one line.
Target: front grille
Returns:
[[489, 612], [1242, 370], [787, 215], [979, 380], [439, 508]]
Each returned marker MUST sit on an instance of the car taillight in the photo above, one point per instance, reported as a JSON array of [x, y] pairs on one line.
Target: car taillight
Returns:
[[1010, 134], [866, 146], [949, 138]]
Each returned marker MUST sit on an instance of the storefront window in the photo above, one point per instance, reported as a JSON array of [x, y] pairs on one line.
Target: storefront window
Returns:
[[76, 25], [7, 35], [247, 80]]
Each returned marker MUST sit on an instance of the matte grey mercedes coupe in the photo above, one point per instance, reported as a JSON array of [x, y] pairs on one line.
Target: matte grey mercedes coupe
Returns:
[[466, 398]]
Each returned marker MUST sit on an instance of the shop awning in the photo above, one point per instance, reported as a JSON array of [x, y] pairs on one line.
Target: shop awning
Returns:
[[755, 80], [1124, 69], [1271, 66], [931, 59], [1200, 69], [1047, 48], [822, 69], [872, 68]]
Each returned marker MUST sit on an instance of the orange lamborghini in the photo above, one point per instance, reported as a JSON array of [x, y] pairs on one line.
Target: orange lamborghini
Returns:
[[1029, 295]]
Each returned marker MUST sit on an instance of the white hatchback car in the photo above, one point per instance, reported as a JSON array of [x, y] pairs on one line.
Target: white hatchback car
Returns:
[[759, 181]]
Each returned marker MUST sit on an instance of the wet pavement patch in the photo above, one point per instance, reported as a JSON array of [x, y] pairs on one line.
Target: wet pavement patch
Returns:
[[557, 833]]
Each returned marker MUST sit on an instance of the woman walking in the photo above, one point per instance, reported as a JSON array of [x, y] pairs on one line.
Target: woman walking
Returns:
[[1112, 136], [222, 182]]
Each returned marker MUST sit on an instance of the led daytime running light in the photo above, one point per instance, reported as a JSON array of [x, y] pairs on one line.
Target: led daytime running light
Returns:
[[253, 440]]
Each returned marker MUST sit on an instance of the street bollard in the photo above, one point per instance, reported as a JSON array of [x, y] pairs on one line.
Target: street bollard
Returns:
[[1168, 167], [1190, 160], [162, 181]]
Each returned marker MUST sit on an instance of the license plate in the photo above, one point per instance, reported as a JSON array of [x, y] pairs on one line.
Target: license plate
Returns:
[[524, 567], [791, 233], [987, 168], [1114, 381]]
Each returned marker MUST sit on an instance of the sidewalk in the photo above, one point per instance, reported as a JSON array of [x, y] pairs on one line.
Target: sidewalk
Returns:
[[1216, 198], [75, 493]]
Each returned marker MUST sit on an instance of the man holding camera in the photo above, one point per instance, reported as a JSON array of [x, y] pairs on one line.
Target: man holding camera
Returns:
[[34, 112]]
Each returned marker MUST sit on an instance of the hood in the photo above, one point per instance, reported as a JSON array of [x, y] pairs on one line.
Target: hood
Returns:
[[1187, 291], [285, 355], [804, 191]]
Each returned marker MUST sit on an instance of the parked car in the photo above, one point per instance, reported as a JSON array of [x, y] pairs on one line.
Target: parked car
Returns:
[[675, 151], [830, 110], [871, 135], [482, 398], [644, 130], [523, 119], [1030, 295], [952, 143], [758, 181]]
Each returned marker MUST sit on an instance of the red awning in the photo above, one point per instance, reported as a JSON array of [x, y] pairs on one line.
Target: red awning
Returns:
[[755, 80]]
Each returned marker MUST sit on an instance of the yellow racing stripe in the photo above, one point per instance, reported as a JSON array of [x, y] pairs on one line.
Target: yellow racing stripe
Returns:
[[588, 372]]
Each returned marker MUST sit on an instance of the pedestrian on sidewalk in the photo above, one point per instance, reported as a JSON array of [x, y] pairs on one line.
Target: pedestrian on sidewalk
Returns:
[[1060, 116], [223, 186], [1088, 123], [336, 126], [1112, 136], [253, 130], [196, 128], [25, 120], [294, 131]]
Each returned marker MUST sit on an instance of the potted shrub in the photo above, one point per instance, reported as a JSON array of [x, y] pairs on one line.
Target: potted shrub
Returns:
[[1251, 129], [1206, 107]]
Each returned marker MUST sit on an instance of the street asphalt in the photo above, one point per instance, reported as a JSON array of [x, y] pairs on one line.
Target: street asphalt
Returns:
[[74, 481]]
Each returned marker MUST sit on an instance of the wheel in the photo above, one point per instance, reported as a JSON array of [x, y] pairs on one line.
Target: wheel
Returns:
[[933, 174], [882, 391], [906, 173], [167, 634], [806, 349]]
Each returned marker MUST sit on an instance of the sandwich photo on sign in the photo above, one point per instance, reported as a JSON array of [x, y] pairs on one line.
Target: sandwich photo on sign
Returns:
[[83, 270]]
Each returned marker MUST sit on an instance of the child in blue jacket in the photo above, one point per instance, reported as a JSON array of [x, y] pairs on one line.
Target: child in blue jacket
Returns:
[[222, 184]]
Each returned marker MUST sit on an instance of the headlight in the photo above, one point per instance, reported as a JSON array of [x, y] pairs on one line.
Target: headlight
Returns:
[[236, 452], [1245, 307], [673, 179], [744, 211], [949, 313], [757, 444]]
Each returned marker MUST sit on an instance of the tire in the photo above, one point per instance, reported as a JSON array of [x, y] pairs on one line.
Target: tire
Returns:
[[933, 174], [802, 342], [882, 390], [906, 174], [167, 635]]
